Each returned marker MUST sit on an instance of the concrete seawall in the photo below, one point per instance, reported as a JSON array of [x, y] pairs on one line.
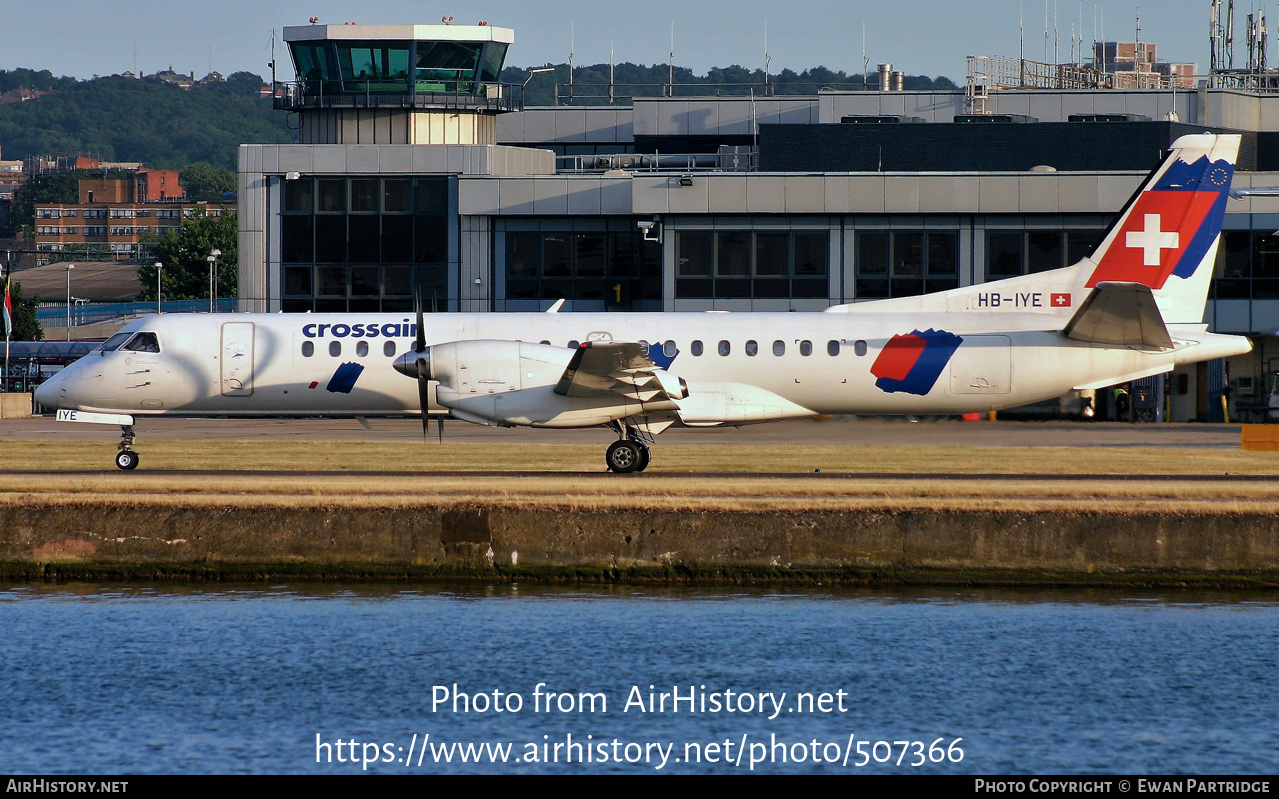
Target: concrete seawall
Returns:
[[66, 540]]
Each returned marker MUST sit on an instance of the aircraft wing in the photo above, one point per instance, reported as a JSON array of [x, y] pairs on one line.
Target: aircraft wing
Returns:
[[1122, 314], [600, 368]]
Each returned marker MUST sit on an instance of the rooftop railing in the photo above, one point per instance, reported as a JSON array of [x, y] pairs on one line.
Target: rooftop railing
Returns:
[[424, 94]]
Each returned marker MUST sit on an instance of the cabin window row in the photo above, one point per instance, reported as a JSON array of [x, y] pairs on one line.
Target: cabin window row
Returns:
[[751, 348], [361, 349], [667, 348]]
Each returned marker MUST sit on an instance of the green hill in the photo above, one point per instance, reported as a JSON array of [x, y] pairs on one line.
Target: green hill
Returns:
[[125, 119]]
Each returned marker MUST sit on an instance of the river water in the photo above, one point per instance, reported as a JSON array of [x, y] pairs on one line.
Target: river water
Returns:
[[235, 679]]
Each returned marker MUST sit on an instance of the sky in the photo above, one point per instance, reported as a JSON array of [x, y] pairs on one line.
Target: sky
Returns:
[[83, 38]]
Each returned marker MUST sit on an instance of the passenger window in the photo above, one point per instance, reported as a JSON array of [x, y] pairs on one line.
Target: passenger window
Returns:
[[544, 341], [643, 346], [308, 349], [779, 347], [669, 349], [752, 349], [572, 345], [696, 348], [388, 349], [362, 348], [805, 347], [725, 348], [859, 347], [112, 344], [335, 348], [143, 342], [832, 347]]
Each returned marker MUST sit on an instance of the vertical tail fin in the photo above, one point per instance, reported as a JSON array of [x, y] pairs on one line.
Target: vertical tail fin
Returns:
[[1166, 238]]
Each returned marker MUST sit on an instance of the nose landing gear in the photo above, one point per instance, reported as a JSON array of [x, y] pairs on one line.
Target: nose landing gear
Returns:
[[126, 458]]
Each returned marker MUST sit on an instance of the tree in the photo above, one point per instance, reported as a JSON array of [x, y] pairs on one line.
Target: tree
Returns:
[[50, 187], [206, 183], [184, 254], [25, 325]]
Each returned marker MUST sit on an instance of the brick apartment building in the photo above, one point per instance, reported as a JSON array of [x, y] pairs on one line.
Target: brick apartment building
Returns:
[[114, 215]]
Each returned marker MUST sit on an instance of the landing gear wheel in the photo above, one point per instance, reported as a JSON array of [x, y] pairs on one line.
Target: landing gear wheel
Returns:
[[126, 459], [645, 457], [625, 456]]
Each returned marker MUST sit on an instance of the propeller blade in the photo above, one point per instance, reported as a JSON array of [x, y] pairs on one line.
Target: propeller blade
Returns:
[[419, 344], [439, 427], [423, 381], [419, 347]]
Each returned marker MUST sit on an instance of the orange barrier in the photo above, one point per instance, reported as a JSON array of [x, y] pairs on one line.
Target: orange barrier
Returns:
[[1259, 437]]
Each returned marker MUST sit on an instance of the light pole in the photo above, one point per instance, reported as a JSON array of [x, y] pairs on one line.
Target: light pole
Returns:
[[531, 73], [158, 266], [216, 255], [212, 263], [69, 268]]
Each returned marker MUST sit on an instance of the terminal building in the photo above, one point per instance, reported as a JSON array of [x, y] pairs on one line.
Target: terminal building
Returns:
[[418, 174]]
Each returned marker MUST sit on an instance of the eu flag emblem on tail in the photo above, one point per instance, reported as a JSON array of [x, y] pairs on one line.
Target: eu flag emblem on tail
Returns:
[[1170, 227], [911, 363]]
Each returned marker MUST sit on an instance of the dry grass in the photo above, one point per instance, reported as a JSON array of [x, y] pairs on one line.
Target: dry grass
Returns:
[[499, 457], [339, 474]]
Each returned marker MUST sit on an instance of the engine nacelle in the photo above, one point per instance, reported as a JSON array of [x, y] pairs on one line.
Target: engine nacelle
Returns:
[[466, 368]]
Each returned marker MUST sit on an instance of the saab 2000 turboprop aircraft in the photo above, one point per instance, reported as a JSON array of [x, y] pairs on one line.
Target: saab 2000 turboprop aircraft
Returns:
[[1133, 308]]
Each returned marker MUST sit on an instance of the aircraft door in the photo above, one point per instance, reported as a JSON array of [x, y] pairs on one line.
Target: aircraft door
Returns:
[[982, 365], [237, 359]]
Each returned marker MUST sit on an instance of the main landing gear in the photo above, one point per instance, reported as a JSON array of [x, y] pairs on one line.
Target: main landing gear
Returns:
[[126, 458], [629, 453]]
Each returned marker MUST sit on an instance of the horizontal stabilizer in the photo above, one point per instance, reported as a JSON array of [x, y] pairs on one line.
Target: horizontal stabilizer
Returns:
[[1120, 314]]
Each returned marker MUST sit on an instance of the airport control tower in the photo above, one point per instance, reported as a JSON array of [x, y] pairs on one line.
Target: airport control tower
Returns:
[[397, 84]]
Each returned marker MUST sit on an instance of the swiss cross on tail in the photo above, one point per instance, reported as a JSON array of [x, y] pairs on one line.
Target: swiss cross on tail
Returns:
[[1166, 232]]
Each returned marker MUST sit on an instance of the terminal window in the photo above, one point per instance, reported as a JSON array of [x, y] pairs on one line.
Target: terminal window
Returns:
[[1247, 265], [906, 263], [364, 244], [733, 264], [1020, 252], [594, 269]]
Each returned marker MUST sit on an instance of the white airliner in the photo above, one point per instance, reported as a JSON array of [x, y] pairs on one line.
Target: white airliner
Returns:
[[1132, 309]]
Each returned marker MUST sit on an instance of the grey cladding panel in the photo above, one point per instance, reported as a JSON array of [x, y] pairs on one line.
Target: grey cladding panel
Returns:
[[570, 125], [550, 196], [735, 118], [702, 117], [539, 126], [516, 195], [728, 194], [584, 197], [362, 158], [615, 197], [329, 158]]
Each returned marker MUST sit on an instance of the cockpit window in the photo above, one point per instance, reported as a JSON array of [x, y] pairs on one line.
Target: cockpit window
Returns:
[[143, 342], [112, 344]]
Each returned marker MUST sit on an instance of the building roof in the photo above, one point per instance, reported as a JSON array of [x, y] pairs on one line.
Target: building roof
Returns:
[[421, 33], [95, 280]]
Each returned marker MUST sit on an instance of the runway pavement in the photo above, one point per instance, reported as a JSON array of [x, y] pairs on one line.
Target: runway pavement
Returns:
[[845, 431]]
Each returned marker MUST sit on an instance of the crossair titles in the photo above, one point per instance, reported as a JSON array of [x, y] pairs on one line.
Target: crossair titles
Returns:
[[406, 329]]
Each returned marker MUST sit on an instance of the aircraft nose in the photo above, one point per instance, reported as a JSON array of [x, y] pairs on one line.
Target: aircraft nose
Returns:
[[49, 392]]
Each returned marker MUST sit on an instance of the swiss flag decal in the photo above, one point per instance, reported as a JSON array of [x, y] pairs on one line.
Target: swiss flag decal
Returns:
[[1153, 238], [1060, 300]]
